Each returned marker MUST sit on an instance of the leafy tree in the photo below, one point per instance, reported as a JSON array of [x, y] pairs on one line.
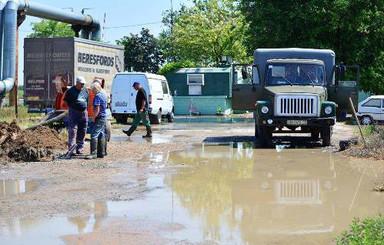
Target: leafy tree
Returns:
[[50, 28], [142, 53], [352, 28], [173, 66], [204, 32]]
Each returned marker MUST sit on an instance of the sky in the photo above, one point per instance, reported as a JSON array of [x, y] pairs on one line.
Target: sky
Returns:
[[129, 15]]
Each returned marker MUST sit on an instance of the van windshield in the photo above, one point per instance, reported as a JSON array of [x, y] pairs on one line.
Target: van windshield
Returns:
[[295, 74]]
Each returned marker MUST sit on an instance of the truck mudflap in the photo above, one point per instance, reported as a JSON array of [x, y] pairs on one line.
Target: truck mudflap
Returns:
[[298, 122]]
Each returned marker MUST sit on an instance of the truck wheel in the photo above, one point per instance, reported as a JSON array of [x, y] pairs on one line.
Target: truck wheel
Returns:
[[155, 119], [171, 117], [265, 136], [366, 120], [326, 134], [315, 135], [108, 130]]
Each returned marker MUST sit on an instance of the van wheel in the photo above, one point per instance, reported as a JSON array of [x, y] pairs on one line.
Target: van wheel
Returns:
[[171, 117], [122, 119], [155, 119]]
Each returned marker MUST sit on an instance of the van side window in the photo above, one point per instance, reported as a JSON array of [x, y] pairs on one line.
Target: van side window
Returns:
[[165, 87], [373, 103]]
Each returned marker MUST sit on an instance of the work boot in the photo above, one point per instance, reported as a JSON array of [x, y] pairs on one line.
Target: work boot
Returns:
[[93, 154], [105, 147], [101, 147], [130, 131], [149, 133]]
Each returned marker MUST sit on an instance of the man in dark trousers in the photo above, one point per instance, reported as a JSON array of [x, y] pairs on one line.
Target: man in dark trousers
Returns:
[[77, 100], [142, 112]]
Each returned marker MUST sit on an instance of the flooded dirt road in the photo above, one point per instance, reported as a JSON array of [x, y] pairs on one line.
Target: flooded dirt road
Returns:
[[145, 192]]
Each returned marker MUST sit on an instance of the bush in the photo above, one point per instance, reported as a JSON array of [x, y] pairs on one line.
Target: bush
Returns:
[[369, 231], [173, 66]]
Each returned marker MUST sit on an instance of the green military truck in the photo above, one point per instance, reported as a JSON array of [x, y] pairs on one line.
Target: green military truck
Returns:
[[293, 91]]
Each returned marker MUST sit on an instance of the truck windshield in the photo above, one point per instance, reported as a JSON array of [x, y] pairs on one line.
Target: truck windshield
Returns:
[[295, 74]]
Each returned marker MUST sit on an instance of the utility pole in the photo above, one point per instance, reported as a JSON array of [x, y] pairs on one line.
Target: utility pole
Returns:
[[172, 23], [171, 16]]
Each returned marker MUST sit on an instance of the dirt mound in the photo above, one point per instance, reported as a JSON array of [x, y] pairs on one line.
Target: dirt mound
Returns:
[[28, 145]]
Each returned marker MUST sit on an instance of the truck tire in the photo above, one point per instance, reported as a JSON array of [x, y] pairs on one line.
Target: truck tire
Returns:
[[171, 117], [315, 135], [265, 136], [326, 134], [155, 119]]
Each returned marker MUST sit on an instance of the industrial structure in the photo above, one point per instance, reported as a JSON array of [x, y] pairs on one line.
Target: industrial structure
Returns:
[[12, 14]]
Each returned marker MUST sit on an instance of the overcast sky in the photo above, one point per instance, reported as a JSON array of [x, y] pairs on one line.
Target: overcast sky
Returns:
[[129, 15]]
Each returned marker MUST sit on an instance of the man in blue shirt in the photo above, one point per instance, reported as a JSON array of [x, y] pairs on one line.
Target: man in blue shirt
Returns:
[[98, 135], [77, 100]]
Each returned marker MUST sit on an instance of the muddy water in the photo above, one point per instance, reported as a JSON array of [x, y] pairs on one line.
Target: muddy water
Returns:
[[226, 195], [15, 187], [283, 196]]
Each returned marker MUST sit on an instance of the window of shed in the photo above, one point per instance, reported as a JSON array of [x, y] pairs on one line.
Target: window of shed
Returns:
[[195, 79]]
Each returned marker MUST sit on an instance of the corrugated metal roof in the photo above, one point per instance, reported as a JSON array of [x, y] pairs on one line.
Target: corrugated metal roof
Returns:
[[204, 70]]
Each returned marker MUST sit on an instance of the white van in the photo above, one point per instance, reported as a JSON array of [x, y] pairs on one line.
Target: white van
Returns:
[[123, 97]]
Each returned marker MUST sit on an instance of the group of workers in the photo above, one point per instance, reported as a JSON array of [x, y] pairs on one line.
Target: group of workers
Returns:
[[77, 99]]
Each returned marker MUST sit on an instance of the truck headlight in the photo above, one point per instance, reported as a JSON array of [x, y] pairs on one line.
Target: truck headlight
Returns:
[[328, 110], [265, 109]]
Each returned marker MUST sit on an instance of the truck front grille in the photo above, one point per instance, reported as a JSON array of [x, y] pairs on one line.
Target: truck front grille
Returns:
[[297, 191], [296, 105]]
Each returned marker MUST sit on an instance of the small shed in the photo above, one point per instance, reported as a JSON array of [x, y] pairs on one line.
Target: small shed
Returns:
[[206, 91]]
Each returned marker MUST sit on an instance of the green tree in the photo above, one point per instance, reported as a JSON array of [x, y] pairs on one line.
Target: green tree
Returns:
[[204, 32], [142, 52], [352, 28], [50, 28]]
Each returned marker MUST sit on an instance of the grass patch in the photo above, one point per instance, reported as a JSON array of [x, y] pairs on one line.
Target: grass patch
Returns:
[[374, 136], [368, 231], [24, 118]]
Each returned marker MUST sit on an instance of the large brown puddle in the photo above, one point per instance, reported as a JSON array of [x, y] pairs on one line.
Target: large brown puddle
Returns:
[[227, 195]]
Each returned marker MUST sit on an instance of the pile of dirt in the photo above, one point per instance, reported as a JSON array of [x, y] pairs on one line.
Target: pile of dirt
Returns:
[[374, 137], [40, 144]]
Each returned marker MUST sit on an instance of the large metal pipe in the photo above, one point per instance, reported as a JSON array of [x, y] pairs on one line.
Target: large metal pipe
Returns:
[[2, 5], [8, 28], [9, 48], [58, 14]]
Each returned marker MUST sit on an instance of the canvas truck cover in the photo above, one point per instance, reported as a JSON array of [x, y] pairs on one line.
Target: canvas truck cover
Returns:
[[261, 56], [53, 63]]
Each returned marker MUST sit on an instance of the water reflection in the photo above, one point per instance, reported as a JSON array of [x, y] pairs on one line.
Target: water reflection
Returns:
[[15, 187], [295, 196]]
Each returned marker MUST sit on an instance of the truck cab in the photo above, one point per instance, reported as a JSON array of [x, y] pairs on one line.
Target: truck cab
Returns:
[[292, 91]]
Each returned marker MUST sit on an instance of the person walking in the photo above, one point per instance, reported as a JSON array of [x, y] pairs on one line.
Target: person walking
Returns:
[[77, 100], [99, 118], [142, 112]]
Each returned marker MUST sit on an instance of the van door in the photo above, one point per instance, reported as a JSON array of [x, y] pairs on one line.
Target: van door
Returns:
[[246, 87], [157, 96], [121, 89], [347, 88], [167, 97]]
